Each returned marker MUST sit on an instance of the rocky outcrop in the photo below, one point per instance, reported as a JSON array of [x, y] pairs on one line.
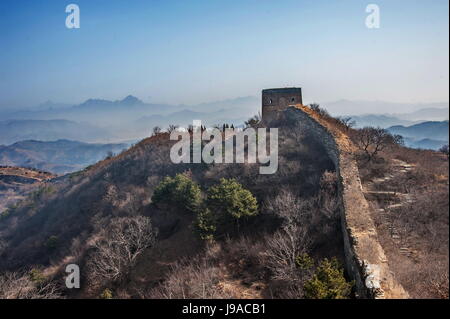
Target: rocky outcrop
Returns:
[[366, 262]]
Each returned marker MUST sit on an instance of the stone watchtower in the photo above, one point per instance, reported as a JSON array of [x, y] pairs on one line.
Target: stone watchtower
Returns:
[[274, 100]]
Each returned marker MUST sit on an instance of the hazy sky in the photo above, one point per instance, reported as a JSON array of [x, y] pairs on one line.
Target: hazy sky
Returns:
[[190, 51]]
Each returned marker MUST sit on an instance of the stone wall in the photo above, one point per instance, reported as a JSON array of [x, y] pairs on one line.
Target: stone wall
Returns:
[[365, 260]]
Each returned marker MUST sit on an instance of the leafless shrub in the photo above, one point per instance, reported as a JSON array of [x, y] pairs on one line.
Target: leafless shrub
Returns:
[[346, 122], [287, 206], [444, 150], [290, 290], [123, 242], [424, 278], [19, 286], [243, 258], [319, 110], [196, 279], [172, 128], [156, 131], [282, 250], [426, 220], [243, 248], [291, 240], [253, 121], [439, 285]]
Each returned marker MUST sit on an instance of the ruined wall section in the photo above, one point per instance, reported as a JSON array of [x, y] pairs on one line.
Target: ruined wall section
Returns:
[[365, 260]]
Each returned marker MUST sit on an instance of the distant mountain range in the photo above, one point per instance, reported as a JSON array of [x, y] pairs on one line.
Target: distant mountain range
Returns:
[[98, 120], [61, 156], [412, 111], [101, 112], [406, 119], [426, 114], [378, 120], [105, 121], [427, 135], [432, 130], [12, 131], [425, 144], [54, 137]]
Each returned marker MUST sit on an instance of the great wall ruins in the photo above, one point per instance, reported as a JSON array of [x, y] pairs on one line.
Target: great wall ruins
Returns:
[[365, 259]]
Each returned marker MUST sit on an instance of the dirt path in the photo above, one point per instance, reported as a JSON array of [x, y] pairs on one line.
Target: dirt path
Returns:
[[391, 202]]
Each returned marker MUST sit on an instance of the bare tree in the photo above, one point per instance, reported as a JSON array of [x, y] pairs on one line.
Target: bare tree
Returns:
[[373, 140], [291, 240], [287, 206], [283, 248], [172, 128], [156, 130], [123, 242], [346, 122], [253, 121], [444, 150], [109, 155]]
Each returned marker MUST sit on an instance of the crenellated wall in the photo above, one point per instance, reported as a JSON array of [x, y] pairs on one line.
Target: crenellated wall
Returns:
[[366, 262]]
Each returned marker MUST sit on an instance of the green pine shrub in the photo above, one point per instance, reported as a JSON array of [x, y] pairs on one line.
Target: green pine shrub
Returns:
[[206, 224], [328, 282], [231, 199], [181, 190]]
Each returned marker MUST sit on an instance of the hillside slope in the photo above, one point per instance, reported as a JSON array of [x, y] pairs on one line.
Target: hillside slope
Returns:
[[17, 182], [79, 207]]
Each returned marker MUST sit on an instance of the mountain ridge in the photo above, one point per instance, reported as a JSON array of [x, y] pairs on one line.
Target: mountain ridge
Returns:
[[427, 135], [60, 156]]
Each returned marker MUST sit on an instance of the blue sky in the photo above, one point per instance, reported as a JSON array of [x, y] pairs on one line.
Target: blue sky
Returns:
[[190, 51]]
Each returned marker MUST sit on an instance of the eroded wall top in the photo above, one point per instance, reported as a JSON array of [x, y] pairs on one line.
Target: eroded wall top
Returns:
[[366, 262]]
